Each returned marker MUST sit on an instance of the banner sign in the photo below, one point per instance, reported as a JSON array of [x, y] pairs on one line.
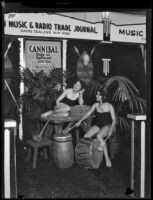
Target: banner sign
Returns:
[[128, 33], [51, 25], [42, 55]]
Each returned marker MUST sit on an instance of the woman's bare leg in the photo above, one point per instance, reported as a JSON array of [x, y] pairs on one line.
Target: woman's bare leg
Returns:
[[101, 135], [92, 131], [62, 107]]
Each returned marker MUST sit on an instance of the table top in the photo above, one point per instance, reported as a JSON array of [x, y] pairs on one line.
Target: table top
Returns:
[[59, 120]]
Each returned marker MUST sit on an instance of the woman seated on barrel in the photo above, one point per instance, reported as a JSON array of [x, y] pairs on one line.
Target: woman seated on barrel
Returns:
[[104, 122]]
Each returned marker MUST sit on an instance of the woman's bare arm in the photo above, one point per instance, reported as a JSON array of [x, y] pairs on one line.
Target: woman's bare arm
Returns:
[[81, 101], [87, 114], [61, 96], [112, 112]]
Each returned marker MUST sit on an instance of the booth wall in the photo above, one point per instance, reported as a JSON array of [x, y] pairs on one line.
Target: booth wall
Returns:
[[126, 60]]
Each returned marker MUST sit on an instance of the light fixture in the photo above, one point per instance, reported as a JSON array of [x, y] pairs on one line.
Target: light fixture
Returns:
[[106, 65], [106, 20], [105, 15]]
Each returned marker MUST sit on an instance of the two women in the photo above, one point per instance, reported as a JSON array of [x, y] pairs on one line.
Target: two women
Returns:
[[104, 122]]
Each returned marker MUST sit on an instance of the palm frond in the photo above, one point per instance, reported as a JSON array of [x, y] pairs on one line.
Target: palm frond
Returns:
[[93, 49], [77, 51], [123, 123], [140, 104]]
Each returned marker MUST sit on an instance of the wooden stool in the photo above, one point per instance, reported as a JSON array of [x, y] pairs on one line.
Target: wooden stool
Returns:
[[45, 142]]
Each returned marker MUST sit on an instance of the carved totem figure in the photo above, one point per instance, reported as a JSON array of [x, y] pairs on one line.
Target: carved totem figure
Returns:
[[85, 66]]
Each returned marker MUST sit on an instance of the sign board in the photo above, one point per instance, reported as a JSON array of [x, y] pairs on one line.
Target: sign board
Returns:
[[135, 33], [51, 25], [42, 55]]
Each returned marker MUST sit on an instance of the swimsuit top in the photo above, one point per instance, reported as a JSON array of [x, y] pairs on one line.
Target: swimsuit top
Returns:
[[70, 102]]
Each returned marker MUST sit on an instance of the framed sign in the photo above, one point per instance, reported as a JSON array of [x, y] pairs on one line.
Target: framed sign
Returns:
[[42, 55]]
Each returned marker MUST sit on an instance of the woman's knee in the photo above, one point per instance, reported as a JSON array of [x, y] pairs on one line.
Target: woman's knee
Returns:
[[104, 131], [100, 136], [92, 131]]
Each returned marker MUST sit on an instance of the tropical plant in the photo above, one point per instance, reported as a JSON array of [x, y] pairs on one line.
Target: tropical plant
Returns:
[[124, 96], [42, 89]]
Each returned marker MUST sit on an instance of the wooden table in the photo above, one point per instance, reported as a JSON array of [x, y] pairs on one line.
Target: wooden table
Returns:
[[58, 123]]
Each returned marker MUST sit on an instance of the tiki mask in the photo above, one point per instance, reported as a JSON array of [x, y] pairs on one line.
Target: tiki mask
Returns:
[[85, 59], [84, 66]]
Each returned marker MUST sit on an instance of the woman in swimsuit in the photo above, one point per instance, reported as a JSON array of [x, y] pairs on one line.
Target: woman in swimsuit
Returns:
[[104, 123], [70, 97]]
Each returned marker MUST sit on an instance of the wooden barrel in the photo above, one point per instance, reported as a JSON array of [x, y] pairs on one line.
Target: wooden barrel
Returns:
[[87, 154], [63, 151]]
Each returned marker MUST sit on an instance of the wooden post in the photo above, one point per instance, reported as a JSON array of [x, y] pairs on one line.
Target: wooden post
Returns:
[[10, 179], [143, 49], [7, 192], [132, 156], [142, 167], [142, 187], [64, 61], [22, 64]]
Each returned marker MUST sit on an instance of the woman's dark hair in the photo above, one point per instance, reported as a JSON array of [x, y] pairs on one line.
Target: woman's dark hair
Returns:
[[83, 85], [104, 95]]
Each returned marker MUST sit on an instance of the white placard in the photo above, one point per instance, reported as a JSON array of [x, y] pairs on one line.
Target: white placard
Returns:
[[128, 33], [51, 25], [42, 55]]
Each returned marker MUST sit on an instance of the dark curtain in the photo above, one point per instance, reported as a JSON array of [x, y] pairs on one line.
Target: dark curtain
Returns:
[[126, 60]]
